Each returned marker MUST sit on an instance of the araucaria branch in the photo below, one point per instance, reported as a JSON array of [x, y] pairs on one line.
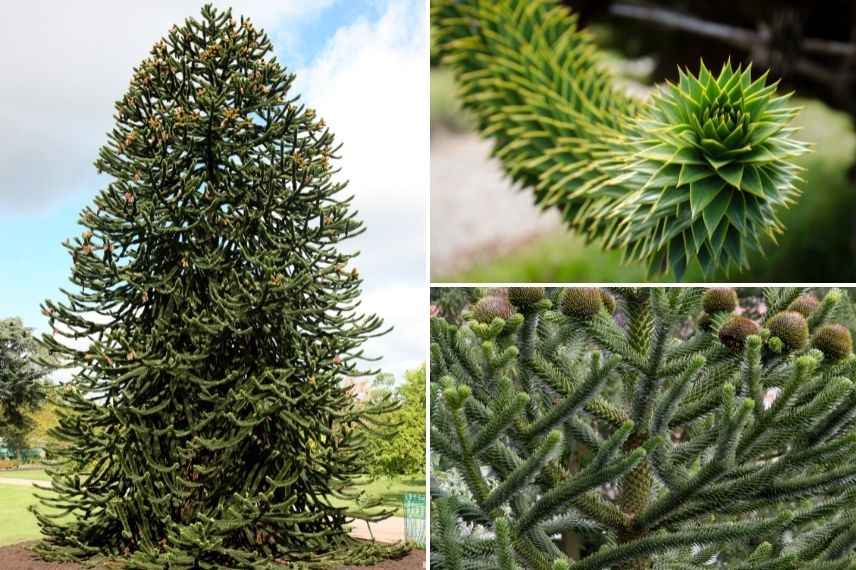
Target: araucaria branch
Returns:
[[645, 428], [696, 172]]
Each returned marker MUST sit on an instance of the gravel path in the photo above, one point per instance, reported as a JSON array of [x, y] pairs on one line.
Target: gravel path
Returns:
[[475, 212]]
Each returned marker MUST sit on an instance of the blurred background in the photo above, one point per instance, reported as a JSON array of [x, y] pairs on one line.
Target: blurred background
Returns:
[[485, 230]]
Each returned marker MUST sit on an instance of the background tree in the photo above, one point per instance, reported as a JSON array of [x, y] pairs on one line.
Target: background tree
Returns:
[[402, 452], [645, 428], [17, 439], [208, 425], [450, 302], [22, 381], [45, 419]]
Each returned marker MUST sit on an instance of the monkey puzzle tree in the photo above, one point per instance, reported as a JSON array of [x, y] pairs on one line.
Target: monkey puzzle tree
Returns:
[[696, 172], [604, 429], [207, 425]]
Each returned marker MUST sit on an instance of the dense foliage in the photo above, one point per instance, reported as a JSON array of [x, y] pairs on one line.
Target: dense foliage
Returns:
[[213, 321], [645, 428], [22, 378], [402, 450], [697, 172]]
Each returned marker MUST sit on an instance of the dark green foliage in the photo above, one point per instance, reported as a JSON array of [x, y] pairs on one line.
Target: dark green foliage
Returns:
[[608, 301], [698, 172], [22, 374], [642, 444], [450, 302], [208, 425]]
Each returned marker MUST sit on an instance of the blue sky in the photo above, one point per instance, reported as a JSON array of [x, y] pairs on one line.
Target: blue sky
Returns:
[[362, 64]]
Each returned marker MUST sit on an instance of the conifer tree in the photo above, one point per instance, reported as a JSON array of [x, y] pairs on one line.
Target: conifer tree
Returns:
[[697, 172], [22, 376], [213, 321], [645, 428]]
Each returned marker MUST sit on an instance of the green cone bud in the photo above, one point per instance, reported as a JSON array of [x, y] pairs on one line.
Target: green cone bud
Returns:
[[523, 297], [734, 331], [834, 341], [719, 299], [791, 327], [804, 304], [489, 308], [581, 302]]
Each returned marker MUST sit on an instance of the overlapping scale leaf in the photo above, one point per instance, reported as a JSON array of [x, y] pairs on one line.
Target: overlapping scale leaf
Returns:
[[712, 164]]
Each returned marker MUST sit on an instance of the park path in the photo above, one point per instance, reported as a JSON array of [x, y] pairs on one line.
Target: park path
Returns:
[[23, 482], [475, 212], [388, 531]]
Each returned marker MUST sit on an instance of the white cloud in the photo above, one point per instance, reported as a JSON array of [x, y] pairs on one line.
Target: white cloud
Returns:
[[370, 84], [63, 65], [405, 308]]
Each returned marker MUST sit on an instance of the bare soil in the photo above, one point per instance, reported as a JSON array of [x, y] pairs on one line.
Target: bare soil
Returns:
[[414, 559], [20, 557]]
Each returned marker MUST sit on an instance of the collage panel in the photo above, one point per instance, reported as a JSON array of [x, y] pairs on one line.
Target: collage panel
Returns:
[[446, 284], [642, 427], [212, 355], [582, 416]]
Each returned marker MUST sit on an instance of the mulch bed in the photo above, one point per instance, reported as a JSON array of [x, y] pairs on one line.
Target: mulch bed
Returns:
[[19, 557], [414, 559]]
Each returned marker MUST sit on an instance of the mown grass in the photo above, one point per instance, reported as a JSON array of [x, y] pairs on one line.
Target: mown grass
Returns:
[[446, 112], [389, 491], [35, 474], [18, 524], [818, 244]]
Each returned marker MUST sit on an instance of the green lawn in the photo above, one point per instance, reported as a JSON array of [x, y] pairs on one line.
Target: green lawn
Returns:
[[391, 491], [18, 524], [38, 474], [446, 111]]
